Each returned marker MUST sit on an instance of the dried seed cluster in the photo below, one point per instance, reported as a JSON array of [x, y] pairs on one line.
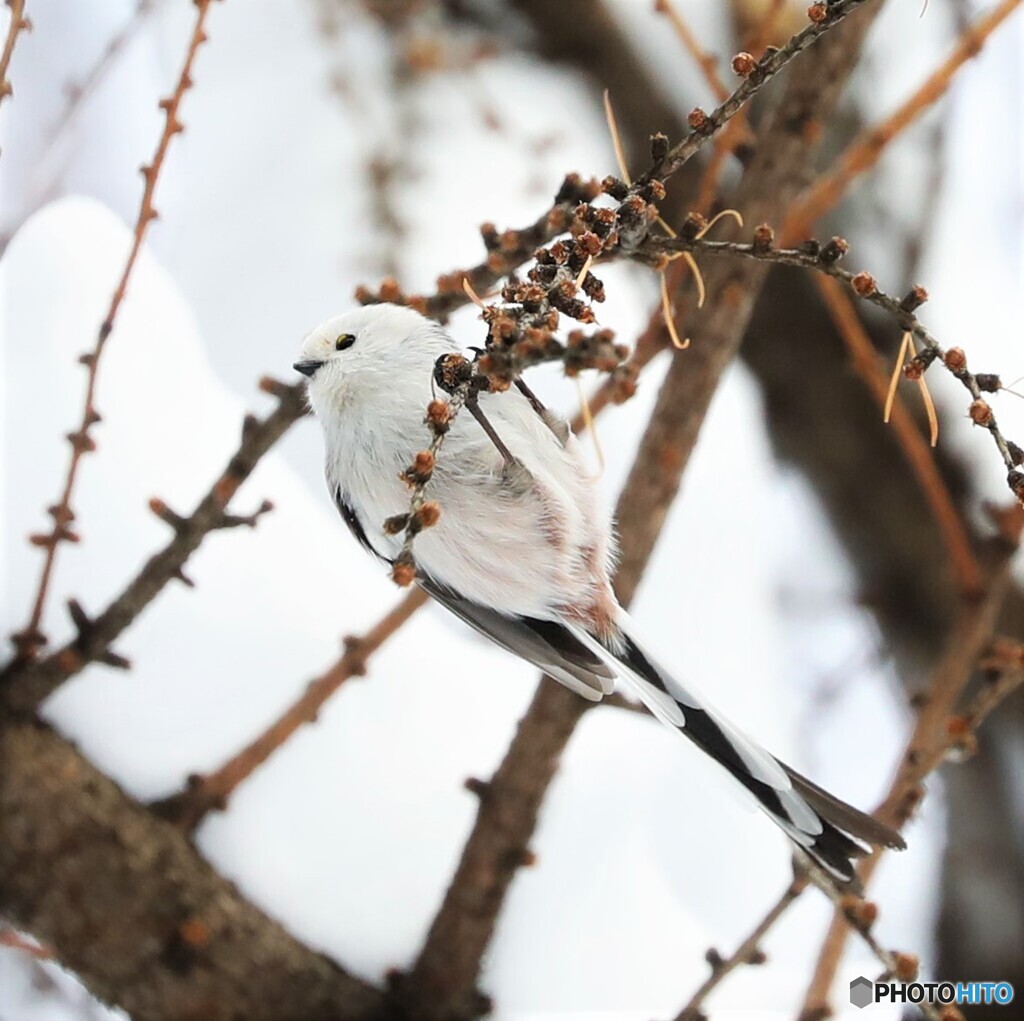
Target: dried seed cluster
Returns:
[[522, 329], [505, 251], [457, 372]]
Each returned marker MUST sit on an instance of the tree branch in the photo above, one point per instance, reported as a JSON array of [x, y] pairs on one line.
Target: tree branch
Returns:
[[757, 74], [506, 251], [748, 952], [823, 259], [864, 151], [23, 685], [17, 24], [43, 182], [938, 731], [208, 793], [30, 639], [129, 904]]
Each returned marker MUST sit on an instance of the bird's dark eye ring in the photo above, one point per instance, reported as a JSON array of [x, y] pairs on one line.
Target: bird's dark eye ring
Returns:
[[343, 341]]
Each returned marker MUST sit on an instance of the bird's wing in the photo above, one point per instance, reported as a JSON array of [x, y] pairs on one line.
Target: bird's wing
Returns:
[[355, 526], [546, 644]]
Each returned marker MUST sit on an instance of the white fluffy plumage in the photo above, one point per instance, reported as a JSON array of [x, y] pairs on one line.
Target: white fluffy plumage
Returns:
[[521, 551], [528, 543]]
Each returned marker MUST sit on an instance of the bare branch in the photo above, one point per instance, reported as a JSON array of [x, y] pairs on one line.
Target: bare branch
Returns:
[[748, 952], [208, 793], [938, 730], [757, 74], [23, 685], [864, 151], [18, 24], [127, 903], [44, 173], [30, 639], [506, 250], [823, 259]]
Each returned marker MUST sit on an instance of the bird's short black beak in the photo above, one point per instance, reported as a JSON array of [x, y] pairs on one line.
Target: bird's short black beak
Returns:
[[307, 368]]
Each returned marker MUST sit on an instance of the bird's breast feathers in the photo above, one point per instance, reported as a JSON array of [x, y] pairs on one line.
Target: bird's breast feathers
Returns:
[[533, 523]]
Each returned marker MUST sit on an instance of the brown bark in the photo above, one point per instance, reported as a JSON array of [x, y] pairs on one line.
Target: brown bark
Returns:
[[134, 909]]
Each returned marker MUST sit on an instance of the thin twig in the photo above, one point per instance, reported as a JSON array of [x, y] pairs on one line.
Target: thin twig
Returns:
[[819, 258], [737, 131], [210, 792], [824, 18], [705, 61], [937, 730], [507, 250], [24, 685], [30, 639], [858, 916], [18, 24], [44, 178], [748, 952], [864, 359], [13, 940], [864, 151], [423, 514]]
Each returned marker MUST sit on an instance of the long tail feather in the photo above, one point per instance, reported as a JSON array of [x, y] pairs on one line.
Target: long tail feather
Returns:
[[830, 831]]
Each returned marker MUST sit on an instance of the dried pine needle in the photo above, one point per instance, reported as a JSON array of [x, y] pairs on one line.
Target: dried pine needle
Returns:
[[926, 396], [734, 213], [666, 228], [690, 260], [698, 279], [588, 424], [668, 312], [583, 272], [897, 371], [929, 407], [471, 294], [613, 130]]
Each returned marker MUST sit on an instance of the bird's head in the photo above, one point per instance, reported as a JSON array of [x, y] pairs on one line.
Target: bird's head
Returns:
[[366, 344]]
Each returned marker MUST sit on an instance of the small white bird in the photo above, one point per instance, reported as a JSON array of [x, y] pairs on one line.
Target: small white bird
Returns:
[[521, 551]]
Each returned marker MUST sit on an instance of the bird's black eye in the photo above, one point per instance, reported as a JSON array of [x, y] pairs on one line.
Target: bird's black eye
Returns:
[[343, 341]]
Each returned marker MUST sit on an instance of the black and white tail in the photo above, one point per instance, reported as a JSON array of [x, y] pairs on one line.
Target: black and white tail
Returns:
[[827, 829]]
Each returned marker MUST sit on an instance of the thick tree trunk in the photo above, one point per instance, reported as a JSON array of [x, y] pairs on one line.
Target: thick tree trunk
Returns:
[[132, 907]]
